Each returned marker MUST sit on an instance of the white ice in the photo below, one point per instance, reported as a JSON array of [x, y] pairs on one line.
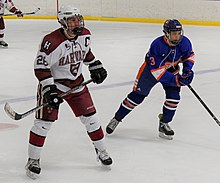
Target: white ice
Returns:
[[139, 155]]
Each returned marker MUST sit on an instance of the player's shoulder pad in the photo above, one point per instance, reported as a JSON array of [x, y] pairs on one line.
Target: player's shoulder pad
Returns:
[[157, 44], [158, 41], [185, 40], [51, 41], [85, 32]]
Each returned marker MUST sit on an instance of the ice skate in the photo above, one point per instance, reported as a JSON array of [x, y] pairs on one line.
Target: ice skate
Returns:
[[112, 125], [33, 168], [3, 44], [165, 130], [104, 157]]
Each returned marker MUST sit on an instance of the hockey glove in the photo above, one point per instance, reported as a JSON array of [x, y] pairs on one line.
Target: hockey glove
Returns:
[[189, 74], [97, 72], [19, 13], [50, 94], [182, 80]]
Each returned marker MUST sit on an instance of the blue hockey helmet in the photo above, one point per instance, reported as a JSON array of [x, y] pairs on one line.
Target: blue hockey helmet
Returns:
[[172, 25]]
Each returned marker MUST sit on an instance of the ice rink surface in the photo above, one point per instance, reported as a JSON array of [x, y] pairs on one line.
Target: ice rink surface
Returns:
[[139, 155]]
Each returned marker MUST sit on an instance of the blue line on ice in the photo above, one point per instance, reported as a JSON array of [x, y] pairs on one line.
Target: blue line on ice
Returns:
[[115, 85]]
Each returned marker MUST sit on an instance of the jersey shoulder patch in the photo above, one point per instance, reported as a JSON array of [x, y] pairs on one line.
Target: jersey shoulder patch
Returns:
[[52, 41]]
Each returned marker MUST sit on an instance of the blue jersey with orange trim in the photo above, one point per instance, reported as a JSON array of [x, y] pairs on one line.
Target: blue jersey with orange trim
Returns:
[[163, 60]]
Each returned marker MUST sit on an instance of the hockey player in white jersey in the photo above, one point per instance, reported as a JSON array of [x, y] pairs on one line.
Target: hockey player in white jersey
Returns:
[[58, 67], [9, 5]]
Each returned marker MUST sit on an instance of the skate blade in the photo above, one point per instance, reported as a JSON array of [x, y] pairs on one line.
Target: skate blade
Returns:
[[4, 47], [107, 134], [106, 167], [164, 136], [32, 175]]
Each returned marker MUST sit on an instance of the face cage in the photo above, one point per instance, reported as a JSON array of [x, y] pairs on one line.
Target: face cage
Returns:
[[77, 30], [175, 42]]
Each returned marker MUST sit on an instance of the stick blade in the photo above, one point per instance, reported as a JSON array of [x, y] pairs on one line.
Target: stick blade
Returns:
[[38, 9], [11, 113]]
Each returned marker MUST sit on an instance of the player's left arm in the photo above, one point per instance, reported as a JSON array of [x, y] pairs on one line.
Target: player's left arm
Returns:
[[97, 72], [188, 59], [188, 54]]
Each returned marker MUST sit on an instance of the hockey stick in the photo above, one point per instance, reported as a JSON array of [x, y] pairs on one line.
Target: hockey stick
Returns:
[[204, 105], [15, 116], [28, 13]]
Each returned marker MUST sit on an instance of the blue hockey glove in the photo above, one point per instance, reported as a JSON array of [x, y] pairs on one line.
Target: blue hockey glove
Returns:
[[189, 74], [50, 94], [184, 79]]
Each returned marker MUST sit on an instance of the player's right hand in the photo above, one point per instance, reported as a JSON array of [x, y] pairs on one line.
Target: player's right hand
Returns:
[[19, 13], [51, 96]]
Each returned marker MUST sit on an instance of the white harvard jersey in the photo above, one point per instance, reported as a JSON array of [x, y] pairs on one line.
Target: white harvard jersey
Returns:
[[6, 4], [59, 60]]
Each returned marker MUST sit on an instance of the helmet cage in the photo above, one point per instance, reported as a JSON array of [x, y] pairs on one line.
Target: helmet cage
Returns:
[[173, 26], [72, 13]]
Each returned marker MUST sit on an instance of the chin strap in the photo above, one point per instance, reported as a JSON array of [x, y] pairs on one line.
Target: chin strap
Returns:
[[69, 36]]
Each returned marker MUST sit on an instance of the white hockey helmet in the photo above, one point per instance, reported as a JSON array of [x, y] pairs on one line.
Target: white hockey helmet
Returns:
[[66, 12]]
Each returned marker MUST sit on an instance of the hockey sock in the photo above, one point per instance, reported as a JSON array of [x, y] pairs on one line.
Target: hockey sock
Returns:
[[37, 138], [94, 130], [2, 28], [128, 104], [169, 109]]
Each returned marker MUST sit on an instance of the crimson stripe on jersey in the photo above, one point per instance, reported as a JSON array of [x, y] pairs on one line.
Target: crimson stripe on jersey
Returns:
[[89, 57], [13, 9], [2, 24], [36, 140], [70, 83], [42, 74], [96, 135]]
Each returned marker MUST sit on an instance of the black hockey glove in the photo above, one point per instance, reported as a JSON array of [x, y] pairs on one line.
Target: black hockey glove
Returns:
[[19, 13], [97, 72], [50, 94]]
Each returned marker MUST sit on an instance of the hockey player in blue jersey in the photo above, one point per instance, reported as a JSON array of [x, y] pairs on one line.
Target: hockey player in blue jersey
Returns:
[[162, 64]]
